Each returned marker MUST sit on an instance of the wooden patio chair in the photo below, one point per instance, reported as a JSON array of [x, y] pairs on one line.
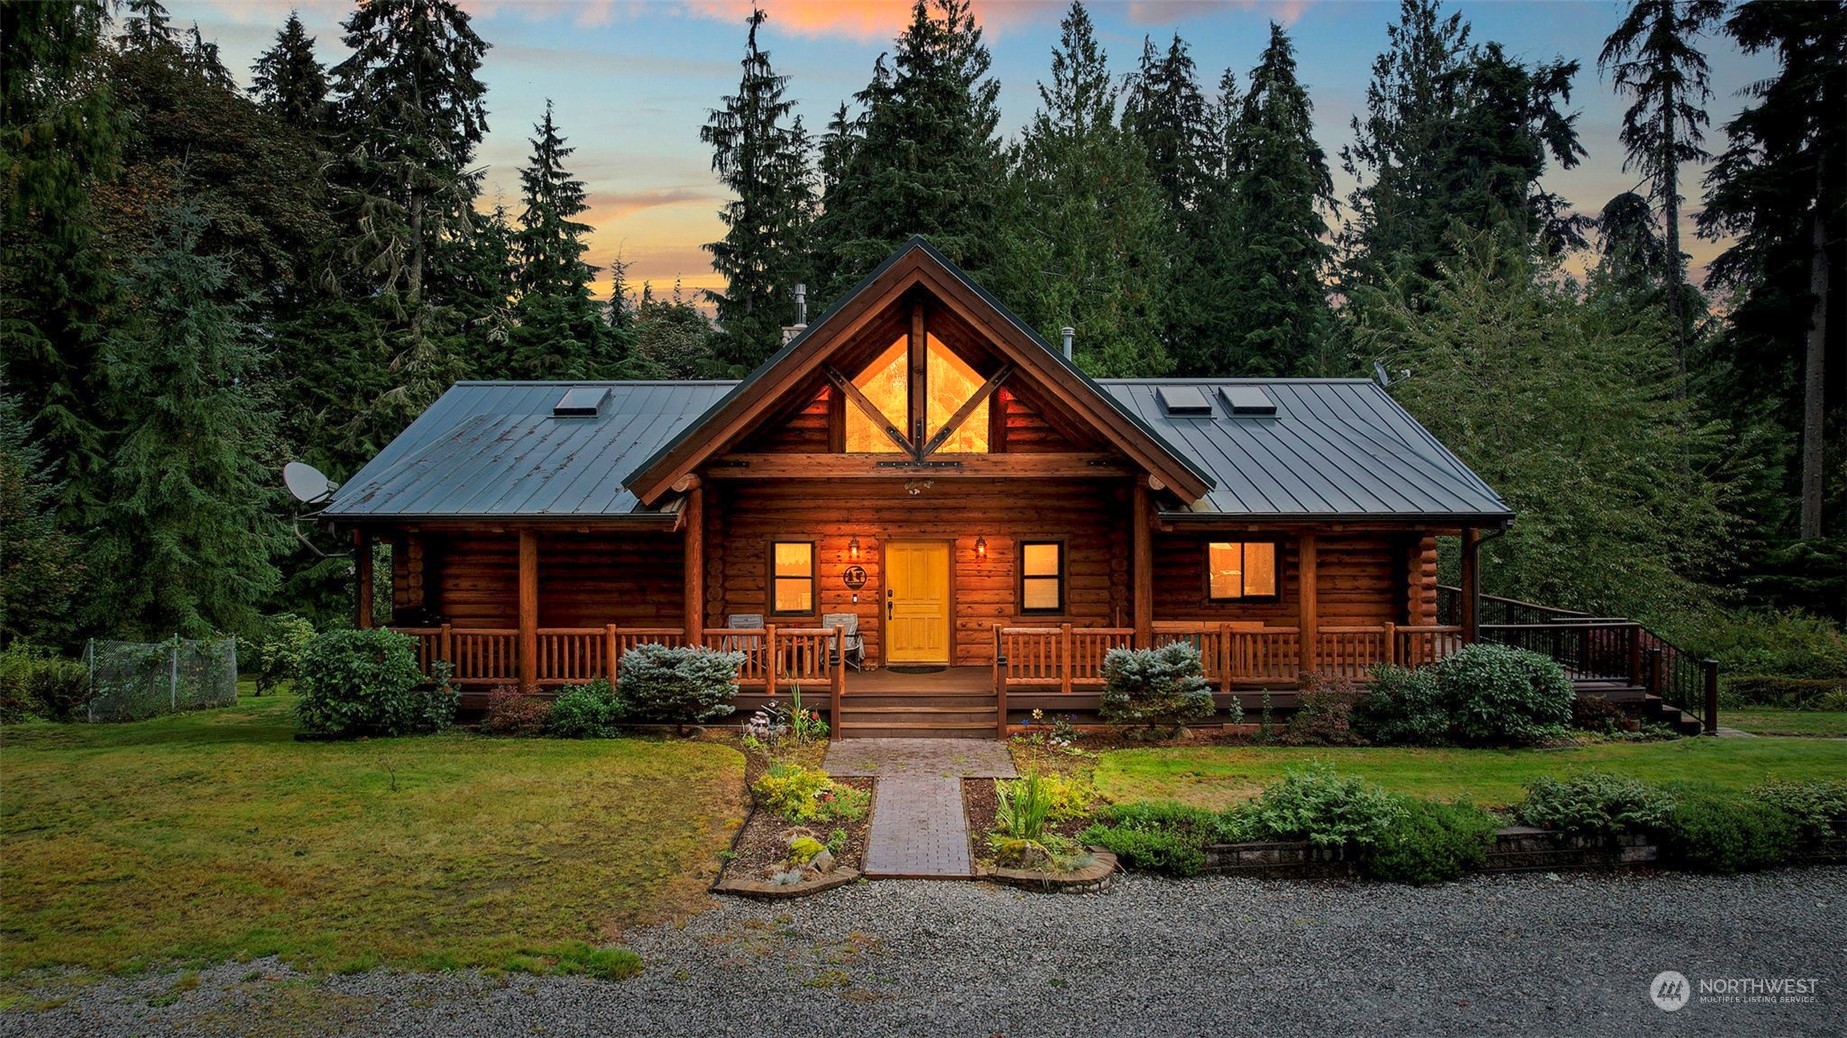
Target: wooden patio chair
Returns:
[[855, 647]]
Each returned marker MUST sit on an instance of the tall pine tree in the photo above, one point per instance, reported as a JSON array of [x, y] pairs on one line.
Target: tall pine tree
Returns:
[[1276, 319], [922, 156], [761, 154], [289, 82], [409, 115], [559, 330], [1778, 192], [1088, 236]]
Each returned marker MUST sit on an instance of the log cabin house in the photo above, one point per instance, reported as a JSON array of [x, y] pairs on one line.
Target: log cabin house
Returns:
[[921, 470]]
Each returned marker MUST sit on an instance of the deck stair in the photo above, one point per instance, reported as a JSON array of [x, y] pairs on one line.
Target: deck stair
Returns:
[[919, 715]]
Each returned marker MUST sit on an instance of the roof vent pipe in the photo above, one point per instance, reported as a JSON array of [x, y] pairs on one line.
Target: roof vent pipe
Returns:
[[801, 304], [1067, 332]]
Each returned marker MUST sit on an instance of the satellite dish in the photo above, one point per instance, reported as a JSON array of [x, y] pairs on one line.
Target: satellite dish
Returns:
[[1384, 376], [307, 483]]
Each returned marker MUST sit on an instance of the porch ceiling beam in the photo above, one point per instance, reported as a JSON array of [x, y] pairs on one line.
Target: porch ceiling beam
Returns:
[[871, 410], [892, 466], [968, 408]]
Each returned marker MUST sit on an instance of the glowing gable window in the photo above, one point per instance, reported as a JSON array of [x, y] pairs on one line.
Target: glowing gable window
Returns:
[[952, 382], [886, 383]]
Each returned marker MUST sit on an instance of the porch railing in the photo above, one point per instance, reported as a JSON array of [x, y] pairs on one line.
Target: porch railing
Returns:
[[1068, 658], [775, 658]]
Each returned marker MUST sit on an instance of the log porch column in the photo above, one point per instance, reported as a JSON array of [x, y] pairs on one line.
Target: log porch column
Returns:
[[1142, 567], [1308, 600], [693, 564], [528, 609], [1471, 584], [362, 579]]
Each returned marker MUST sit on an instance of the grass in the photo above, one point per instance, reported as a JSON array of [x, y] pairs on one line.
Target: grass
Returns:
[[1219, 776], [1768, 720], [212, 836]]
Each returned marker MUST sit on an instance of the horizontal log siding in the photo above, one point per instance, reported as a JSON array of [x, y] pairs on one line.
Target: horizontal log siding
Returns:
[[1361, 580], [585, 580], [1090, 516], [804, 432], [1027, 431]]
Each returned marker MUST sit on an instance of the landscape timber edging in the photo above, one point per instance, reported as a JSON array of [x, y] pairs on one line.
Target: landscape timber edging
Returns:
[[763, 888], [1516, 848], [1094, 878]]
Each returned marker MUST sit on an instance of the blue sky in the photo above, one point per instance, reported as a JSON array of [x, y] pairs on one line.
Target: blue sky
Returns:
[[633, 80]]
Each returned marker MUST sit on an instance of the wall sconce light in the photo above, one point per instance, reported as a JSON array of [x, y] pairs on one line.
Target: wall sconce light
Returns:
[[981, 548], [853, 548]]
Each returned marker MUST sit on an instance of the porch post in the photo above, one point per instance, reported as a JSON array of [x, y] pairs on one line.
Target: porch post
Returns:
[[1142, 575], [362, 579], [1308, 605], [528, 610], [693, 594], [1471, 584]]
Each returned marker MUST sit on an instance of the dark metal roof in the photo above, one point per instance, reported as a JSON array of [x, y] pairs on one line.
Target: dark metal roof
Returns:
[[488, 449], [1335, 449]]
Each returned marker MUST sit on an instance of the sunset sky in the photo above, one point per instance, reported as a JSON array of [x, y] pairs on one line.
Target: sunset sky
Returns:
[[633, 80]]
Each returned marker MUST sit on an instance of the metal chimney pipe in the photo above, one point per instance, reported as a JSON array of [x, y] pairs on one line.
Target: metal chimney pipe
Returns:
[[801, 304], [1068, 333]]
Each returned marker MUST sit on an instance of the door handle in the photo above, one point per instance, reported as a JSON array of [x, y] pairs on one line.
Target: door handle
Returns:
[[888, 609]]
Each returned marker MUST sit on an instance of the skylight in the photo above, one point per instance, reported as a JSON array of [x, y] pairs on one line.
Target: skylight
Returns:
[[581, 402], [1184, 402], [1247, 401]]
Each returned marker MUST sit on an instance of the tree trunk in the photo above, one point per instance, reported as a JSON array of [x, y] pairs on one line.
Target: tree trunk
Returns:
[[1814, 385]]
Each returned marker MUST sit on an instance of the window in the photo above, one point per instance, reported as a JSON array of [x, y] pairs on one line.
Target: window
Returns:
[[949, 383], [886, 382], [1042, 577], [1240, 570], [792, 577]]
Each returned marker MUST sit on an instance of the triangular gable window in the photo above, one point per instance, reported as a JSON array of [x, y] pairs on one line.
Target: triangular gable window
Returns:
[[950, 382]]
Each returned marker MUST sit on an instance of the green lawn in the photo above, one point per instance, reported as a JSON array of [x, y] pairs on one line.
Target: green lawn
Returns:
[[215, 835], [1765, 720], [1220, 776]]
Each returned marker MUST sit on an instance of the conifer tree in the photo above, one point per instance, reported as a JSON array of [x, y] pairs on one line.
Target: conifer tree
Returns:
[[1777, 191], [1166, 111], [409, 115], [1454, 135], [186, 534], [558, 332], [1275, 314], [921, 158], [1087, 248], [761, 154], [40, 569], [289, 82]]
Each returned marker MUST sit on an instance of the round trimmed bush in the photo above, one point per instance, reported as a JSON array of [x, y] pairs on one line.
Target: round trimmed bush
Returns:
[[1708, 831], [1403, 708], [586, 711], [1500, 695], [1433, 843], [360, 683]]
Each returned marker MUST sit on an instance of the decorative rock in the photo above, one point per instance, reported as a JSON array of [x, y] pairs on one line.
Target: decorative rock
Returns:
[[823, 862]]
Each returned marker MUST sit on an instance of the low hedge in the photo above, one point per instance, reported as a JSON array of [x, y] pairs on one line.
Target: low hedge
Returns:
[[1483, 695], [35, 684], [367, 682], [1789, 693]]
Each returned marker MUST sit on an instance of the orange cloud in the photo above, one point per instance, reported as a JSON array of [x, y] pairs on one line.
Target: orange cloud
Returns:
[[866, 19]]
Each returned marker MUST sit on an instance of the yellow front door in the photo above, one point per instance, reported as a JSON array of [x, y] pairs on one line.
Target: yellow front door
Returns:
[[916, 602]]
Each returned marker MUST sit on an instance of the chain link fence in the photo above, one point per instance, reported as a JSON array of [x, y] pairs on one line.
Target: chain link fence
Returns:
[[132, 681]]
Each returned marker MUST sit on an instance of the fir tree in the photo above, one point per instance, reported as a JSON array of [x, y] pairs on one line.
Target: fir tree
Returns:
[[1276, 315], [1166, 112], [410, 114], [761, 154], [558, 332], [1651, 56], [40, 569], [1454, 136], [289, 82], [186, 534], [1088, 245], [1777, 191], [922, 157]]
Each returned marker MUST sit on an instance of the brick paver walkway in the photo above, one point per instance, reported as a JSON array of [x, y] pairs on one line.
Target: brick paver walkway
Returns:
[[918, 829]]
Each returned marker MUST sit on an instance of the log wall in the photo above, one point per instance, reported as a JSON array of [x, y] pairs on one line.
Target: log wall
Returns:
[[1362, 580], [1088, 515], [585, 580]]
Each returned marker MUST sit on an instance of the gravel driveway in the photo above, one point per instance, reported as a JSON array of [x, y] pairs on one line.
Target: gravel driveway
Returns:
[[1526, 955]]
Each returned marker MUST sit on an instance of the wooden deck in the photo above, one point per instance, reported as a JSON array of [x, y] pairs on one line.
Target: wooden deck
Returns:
[[890, 682]]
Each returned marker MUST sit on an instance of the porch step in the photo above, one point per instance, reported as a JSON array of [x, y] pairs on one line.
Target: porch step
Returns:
[[932, 715]]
